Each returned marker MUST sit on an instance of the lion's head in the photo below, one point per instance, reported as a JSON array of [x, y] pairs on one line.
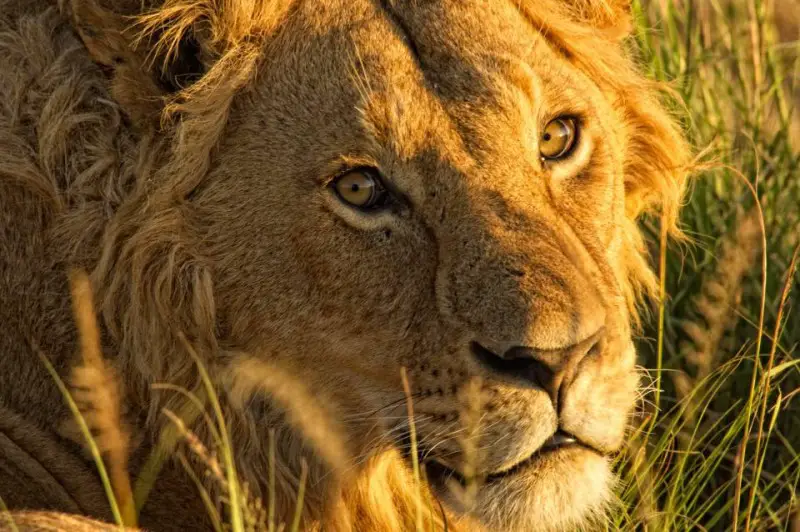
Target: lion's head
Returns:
[[356, 187]]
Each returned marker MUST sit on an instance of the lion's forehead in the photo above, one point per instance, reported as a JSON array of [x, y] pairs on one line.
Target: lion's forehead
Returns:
[[459, 48], [459, 78]]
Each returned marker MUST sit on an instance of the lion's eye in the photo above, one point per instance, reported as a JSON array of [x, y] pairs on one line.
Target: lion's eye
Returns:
[[558, 138], [360, 188]]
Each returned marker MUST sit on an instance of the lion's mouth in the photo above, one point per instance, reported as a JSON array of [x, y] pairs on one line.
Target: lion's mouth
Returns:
[[439, 474]]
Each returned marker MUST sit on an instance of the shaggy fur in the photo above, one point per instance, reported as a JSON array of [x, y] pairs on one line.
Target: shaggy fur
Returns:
[[181, 152]]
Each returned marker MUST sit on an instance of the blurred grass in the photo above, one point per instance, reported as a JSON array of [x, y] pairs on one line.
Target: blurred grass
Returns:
[[724, 450]]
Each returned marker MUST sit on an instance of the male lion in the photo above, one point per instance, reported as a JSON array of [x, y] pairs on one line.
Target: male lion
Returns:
[[311, 197]]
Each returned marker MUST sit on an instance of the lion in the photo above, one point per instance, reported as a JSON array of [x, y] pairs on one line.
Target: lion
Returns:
[[325, 204]]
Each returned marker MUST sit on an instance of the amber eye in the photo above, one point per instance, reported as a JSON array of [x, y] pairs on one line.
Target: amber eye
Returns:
[[360, 188], [558, 138]]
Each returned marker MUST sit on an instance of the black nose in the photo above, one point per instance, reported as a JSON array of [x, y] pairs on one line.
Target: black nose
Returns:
[[545, 368]]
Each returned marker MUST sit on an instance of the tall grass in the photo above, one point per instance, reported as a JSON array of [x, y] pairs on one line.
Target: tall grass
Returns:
[[724, 451]]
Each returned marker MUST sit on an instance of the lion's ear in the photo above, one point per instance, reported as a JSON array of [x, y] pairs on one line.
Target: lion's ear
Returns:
[[612, 17], [176, 56], [145, 73]]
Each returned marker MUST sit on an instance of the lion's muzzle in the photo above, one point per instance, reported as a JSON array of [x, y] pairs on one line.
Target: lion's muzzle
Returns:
[[548, 369]]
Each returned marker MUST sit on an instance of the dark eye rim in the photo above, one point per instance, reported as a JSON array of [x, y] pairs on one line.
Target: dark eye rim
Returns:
[[570, 148], [380, 198]]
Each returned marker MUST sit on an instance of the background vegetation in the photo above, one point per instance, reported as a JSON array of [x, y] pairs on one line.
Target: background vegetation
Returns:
[[718, 446]]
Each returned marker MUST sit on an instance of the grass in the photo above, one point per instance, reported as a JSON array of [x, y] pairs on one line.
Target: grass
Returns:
[[724, 450]]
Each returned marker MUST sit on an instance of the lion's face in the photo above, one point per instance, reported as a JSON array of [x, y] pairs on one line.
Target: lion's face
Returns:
[[442, 189]]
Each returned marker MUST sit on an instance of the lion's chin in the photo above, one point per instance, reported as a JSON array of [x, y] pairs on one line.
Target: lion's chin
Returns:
[[559, 490]]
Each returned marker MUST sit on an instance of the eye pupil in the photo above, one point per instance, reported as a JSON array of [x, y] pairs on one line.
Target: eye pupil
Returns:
[[547, 136]]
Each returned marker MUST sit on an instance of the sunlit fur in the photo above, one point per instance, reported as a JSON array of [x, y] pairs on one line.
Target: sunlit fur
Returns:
[[192, 185]]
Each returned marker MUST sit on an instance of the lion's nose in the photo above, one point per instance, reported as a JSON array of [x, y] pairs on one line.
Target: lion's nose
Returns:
[[548, 369]]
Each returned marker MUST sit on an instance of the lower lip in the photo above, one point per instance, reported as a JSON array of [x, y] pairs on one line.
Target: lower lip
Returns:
[[438, 473], [532, 459]]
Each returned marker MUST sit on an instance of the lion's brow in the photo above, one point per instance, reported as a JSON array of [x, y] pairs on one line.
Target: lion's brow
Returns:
[[386, 7]]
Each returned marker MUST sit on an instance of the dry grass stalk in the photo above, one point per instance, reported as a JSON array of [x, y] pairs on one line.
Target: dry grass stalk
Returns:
[[192, 408], [198, 448], [716, 305], [272, 489], [253, 512], [414, 449], [766, 381], [470, 413], [298, 514], [97, 391], [647, 506], [255, 515]]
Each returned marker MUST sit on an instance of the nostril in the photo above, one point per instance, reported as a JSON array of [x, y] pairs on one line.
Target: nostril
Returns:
[[519, 352], [500, 364], [545, 368], [517, 363]]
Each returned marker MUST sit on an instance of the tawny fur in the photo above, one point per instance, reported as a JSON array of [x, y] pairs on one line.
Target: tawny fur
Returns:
[[180, 151], [52, 522]]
